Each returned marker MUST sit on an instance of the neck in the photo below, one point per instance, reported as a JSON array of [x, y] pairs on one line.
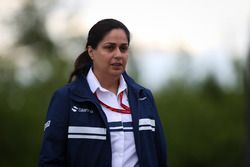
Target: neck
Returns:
[[109, 83]]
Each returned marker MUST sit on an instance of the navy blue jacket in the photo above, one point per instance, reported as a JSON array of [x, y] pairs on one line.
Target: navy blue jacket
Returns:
[[59, 150]]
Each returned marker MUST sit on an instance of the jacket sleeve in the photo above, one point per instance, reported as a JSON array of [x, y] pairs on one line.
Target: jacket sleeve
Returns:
[[160, 137], [53, 149]]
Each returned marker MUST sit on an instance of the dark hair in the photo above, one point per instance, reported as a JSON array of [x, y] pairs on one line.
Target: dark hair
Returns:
[[95, 35]]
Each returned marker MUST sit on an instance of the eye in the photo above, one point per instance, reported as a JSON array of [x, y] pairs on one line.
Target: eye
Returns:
[[123, 48], [109, 47]]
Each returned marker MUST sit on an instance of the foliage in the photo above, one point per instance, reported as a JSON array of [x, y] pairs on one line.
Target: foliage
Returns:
[[205, 127]]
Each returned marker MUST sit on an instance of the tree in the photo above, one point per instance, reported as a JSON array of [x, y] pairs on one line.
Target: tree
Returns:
[[247, 88]]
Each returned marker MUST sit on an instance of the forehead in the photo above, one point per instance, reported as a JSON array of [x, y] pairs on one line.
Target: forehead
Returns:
[[115, 36]]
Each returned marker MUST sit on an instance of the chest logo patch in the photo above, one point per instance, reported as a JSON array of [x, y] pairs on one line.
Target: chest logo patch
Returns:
[[83, 110]]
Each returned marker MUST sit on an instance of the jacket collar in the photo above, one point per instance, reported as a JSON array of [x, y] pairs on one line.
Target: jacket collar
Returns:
[[80, 90], [132, 85], [95, 84]]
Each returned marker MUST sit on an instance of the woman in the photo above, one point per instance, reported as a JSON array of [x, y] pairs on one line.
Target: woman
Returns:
[[102, 117]]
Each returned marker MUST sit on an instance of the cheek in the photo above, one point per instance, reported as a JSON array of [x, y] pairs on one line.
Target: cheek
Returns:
[[104, 60], [126, 58], [100, 57]]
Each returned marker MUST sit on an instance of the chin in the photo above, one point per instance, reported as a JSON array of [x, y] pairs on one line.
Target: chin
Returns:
[[117, 73]]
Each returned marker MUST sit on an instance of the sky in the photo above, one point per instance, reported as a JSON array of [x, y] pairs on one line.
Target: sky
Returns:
[[211, 31], [198, 25]]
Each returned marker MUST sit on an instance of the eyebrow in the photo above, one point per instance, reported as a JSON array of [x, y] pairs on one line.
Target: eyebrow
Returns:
[[112, 43]]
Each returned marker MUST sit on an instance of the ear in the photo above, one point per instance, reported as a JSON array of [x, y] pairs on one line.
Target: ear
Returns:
[[91, 52]]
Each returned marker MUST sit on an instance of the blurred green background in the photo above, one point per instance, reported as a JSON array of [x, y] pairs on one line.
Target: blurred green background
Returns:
[[205, 123]]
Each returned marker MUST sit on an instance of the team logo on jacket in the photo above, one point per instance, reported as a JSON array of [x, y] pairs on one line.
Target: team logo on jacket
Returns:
[[84, 110], [47, 124]]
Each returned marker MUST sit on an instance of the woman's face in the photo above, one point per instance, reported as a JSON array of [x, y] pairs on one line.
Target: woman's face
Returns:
[[111, 54]]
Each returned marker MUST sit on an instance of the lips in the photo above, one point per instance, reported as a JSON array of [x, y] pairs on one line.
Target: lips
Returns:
[[116, 64]]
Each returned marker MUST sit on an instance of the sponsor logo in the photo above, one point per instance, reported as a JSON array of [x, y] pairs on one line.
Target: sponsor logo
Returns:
[[47, 124], [83, 110]]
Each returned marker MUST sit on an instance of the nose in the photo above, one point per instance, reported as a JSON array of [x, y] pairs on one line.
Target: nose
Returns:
[[117, 53]]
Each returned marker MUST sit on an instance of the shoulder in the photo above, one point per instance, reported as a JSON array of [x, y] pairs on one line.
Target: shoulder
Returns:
[[131, 82], [63, 92], [141, 90], [77, 90], [67, 88]]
